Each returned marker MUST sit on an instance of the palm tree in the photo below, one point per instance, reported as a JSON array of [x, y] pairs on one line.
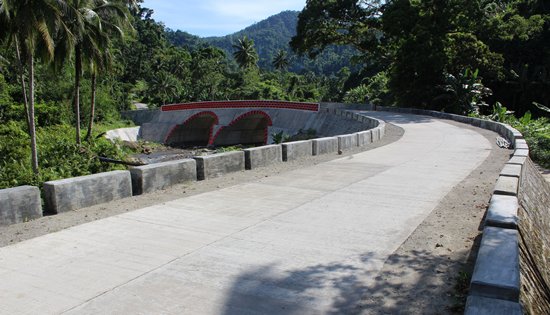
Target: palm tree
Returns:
[[245, 54], [93, 23], [31, 24], [280, 61]]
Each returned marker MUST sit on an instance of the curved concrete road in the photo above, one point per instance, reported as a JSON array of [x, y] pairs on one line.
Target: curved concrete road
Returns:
[[303, 242]]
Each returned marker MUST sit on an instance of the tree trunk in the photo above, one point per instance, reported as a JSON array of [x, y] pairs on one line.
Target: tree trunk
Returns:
[[32, 129], [22, 78], [78, 73], [92, 107]]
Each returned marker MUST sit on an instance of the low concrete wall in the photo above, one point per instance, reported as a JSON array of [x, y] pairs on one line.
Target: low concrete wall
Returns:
[[219, 164], [297, 149], [19, 204], [262, 156], [152, 177], [80, 192], [347, 142], [325, 145]]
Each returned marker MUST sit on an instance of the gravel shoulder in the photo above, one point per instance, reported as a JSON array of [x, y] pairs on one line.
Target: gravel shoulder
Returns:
[[419, 278]]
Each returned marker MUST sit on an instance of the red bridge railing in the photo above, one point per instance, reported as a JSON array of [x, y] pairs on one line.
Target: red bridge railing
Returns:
[[242, 104]]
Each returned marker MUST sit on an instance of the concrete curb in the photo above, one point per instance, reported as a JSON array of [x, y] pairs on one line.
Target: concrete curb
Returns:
[[297, 149]]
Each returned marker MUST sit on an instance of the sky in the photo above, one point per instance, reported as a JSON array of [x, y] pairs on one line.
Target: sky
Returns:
[[217, 17]]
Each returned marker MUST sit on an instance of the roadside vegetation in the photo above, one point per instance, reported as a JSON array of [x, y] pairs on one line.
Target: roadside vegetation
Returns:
[[69, 67]]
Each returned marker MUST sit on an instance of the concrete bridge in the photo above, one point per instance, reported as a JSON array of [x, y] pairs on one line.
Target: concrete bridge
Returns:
[[236, 122]]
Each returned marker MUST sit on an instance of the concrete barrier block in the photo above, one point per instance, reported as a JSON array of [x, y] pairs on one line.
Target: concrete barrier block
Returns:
[[19, 204], [520, 160], [506, 186], [478, 305], [382, 129], [521, 152], [521, 144], [503, 212], [152, 177], [325, 145], [516, 134], [484, 124], [347, 142], [297, 149], [85, 191], [476, 122], [262, 156], [496, 273], [364, 138], [512, 170], [216, 165], [376, 134]]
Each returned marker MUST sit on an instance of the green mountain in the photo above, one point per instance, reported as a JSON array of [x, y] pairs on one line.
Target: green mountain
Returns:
[[271, 35]]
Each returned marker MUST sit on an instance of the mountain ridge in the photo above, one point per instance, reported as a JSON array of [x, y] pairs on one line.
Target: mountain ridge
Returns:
[[271, 35]]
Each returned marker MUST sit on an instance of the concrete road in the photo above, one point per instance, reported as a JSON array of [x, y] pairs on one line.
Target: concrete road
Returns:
[[303, 242]]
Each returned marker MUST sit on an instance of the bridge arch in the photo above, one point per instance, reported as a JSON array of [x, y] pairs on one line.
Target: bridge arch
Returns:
[[249, 128], [194, 131]]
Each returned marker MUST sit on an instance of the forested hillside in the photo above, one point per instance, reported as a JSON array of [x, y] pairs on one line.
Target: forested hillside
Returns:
[[270, 36]]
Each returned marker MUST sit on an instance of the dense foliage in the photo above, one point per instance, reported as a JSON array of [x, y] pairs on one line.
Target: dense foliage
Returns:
[[420, 46]]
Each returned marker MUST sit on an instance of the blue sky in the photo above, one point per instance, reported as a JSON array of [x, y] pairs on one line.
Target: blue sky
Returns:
[[217, 17]]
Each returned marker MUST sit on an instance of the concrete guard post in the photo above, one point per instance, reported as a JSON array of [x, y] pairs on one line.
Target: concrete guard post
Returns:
[[297, 149], [85, 191], [149, 178], [325, 145], [263, 156], [216, 165], [19, 204]]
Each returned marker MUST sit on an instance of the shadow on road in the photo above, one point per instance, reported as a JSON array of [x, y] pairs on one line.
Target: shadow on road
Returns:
[[341, 288]]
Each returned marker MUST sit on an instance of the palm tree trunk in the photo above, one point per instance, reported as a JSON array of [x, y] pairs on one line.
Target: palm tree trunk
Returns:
[[78, 73], [32, 129], [22, 78], [92, 107]]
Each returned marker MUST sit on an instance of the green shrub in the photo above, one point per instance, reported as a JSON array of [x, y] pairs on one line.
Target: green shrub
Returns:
[[58, 155]]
